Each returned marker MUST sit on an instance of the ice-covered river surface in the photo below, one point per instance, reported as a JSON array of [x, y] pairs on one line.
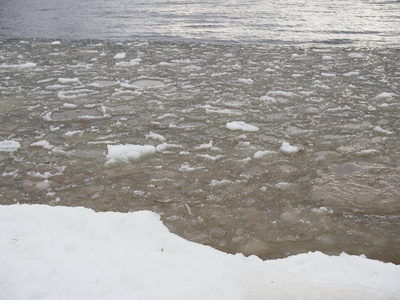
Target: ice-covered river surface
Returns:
[[262, 150]]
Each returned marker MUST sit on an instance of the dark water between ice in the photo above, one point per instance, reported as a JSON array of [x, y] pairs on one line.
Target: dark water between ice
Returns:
[[315, 22], [75, 82]]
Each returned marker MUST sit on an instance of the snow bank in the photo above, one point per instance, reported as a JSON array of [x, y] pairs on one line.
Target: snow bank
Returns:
[[239, 125], [74, 253], [126, 152]]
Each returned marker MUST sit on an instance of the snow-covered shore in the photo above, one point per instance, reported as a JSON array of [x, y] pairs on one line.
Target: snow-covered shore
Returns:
[[74, 253]]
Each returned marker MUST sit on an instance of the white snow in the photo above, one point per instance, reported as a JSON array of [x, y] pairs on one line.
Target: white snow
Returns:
[[117, 153], [240, 125], [288, 149], [74, 253], [9, 146]]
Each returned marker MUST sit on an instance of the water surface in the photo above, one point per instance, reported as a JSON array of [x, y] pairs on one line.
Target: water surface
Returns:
[[358, 23]]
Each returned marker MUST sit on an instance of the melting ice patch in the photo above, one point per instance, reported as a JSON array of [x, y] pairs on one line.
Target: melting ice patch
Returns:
[[118, 153]]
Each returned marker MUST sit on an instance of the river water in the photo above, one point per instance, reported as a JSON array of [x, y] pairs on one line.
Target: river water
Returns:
[[267, 135], [336, 22]]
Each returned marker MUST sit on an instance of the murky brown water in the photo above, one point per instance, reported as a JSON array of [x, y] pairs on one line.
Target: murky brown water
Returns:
[[236, 190]]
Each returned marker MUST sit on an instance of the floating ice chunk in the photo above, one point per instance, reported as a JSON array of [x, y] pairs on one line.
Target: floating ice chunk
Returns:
[[356, 55], [73, 94], [163, 63], [74, 132], [385, 95], [120, 55], [155, 136], [381, 130], [70, 105], [205, 146], [56, 43], [69, 80], [297, 75], [218, 110], [43, 185], [126, 152], [260, 154], [328, 74], [219, 182], [45, 175], [246, 80], [182, 61], [283, 185], [327, 57], [12, 173], [20, 66], [367, 152], [239, 125], [288, 149], [54, 87], [267, 98], [131, 63], [164, 146], [213, 158], [146, 83], [9, 145], [44, 144], [102, 83], [322, 210], [281, 94], [186, 168], [348, 74]]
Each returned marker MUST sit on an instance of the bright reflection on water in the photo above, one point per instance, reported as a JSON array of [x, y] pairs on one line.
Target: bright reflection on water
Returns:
[[62, 103], [356, 22]]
